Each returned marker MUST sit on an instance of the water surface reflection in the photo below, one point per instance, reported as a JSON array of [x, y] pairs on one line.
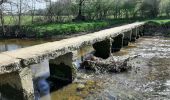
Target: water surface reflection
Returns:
[[13, 44]]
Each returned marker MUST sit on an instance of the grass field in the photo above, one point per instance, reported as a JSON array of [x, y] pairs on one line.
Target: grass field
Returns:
[[12, 20]]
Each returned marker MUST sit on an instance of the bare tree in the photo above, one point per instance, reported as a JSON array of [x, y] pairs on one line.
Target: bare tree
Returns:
[[33, 10], [2, 20], [2, 16]]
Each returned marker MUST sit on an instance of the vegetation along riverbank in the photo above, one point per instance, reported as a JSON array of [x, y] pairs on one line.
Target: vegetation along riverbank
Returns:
[[69, 17], [158, 27], [61, 30]]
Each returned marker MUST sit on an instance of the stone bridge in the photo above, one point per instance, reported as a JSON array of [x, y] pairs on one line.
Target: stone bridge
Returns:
[[20, 69]]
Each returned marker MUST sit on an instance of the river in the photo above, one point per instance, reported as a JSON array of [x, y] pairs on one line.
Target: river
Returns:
[[13, 44], [148, 79]]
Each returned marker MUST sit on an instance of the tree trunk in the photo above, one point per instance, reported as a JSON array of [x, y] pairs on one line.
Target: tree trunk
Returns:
[[2, 21], [20, 14], [80, 17], [50, 13], [33, 10]]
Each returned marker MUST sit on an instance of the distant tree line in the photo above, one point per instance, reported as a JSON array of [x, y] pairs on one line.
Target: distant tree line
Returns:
[[78, 10], [103, 9]]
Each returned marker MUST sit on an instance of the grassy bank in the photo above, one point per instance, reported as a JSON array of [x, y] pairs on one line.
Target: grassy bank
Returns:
[[158, 27], [71, 28], [53, 29]]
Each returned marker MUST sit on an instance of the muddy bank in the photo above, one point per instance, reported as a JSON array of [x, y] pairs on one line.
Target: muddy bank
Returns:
[[152, 28]]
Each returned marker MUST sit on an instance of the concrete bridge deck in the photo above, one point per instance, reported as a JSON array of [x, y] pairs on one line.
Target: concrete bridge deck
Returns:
[[17, 59], [20, 68]]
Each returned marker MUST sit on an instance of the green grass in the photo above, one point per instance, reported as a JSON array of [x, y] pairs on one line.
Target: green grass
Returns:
[[52, 29], [66, 28], [56, 28], [12, 20]]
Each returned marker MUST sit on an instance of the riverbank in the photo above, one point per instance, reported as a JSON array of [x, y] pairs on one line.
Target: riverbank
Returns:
[[61, 30], [72, 29], [158, 28]]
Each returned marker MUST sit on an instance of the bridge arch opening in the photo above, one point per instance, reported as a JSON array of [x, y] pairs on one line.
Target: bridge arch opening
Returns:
[[117, 43], [62, 71], [52, 74], [141, 30], [127, 38], [134, 35], [103, 48]]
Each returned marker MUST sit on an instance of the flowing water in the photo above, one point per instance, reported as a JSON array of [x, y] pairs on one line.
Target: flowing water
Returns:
[[148, 79]]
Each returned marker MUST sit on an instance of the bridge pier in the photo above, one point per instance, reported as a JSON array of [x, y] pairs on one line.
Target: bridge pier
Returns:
[[103, 48], [117, 43], [134, 35], [141, 32], [17, 85], [138, 35], [63, 67], [127, 38]]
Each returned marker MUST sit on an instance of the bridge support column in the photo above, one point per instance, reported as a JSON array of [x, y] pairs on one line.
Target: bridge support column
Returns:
[[138, 35], [117, 43], [134, 35], [141, 32], [63, 68], [103, 48], [127, 38], [17, 85]]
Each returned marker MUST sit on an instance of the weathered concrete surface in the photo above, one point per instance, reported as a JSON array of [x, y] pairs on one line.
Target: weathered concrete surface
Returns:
[[17, 85], [9, 64], [14, 60]]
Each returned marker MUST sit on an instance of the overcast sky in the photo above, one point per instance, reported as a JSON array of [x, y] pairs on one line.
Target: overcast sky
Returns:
[[42, 5], [39, 5]]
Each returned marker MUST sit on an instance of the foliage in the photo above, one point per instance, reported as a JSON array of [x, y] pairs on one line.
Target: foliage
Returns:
[[52, 29], [59, 17]]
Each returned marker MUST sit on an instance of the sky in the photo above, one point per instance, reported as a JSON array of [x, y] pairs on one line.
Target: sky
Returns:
[[38, 5], [42, 5]]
